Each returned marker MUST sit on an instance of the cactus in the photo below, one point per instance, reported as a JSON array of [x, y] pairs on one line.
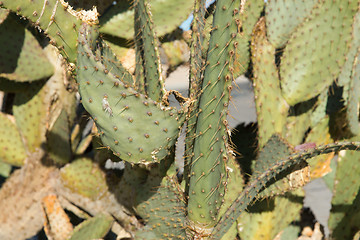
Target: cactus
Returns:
[[266, 79], [167, 15], [146, 45], [345, 195], [57, 223], [298, 76], [96, 227], [283, 17], [114, 100], [54, 19], [84, 177], [13, 150], [26, 61], [64, 142]]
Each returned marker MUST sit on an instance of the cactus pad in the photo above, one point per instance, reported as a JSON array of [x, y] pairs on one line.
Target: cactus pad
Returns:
[[147, 45], [282, 18], [271, 108], [54, 19], [12, 150], [316, 51], [134, 126], [345, 194], [250, 12], [30, 114], [296, 176], [58, 139], [85, 178], [94, 228], [164, 213], [22, 60], [211, 150], [252, 189], [167, 15]]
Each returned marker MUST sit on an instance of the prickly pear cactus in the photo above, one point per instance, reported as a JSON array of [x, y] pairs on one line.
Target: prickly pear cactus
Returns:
[[95, 133]]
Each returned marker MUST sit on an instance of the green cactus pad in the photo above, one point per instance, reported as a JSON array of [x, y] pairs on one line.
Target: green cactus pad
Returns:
[[85, 178], [176, 51], [274, 150], [282, 18], [147, 45], [296, 176], [319, 112], [112, 64], [30, 111], [253, 188], [142, 181], [249, 15], [167, 15], [155, 194], [291, 232], [271, 108], [164, 212], [54, 19], [297, 126], [297, 122], [266, 223], [134, 126], [351, 96], [235, 184], [347, 226], [317, 50], [5, 169], [12, 150], [22, 60], [94, 228], [211, 150], [242, 56], [347, 69], [346, 199], [58, 139], [349, 78], [195, 81]]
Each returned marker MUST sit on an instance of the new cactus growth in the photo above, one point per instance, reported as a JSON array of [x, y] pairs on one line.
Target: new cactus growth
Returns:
[[108, 154]]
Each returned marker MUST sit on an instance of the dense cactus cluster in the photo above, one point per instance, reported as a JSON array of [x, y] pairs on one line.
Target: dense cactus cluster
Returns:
[[72, 109]]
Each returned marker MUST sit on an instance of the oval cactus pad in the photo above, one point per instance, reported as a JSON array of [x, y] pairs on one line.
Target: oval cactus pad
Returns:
[[133, 126]]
